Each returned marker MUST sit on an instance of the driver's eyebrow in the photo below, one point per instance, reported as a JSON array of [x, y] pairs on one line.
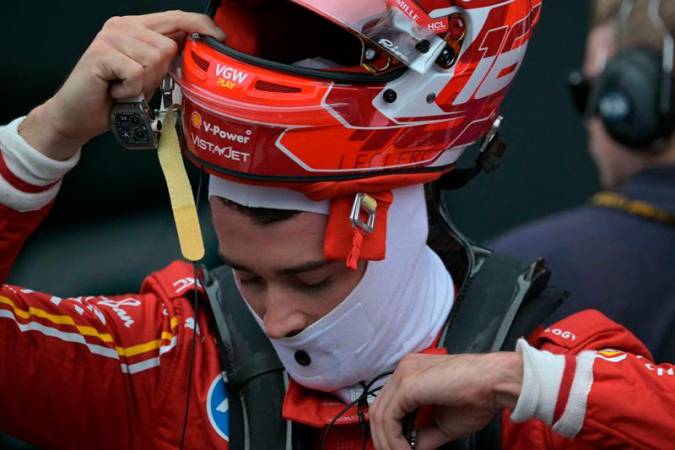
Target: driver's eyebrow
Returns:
[[300, 268], [306, 267], [234, 265]]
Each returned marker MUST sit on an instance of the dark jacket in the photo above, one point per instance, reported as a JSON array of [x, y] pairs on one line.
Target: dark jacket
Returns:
[[618, 263]]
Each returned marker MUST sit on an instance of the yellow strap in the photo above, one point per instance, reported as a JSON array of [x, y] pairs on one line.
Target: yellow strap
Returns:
[[634, 207], [180, 191]]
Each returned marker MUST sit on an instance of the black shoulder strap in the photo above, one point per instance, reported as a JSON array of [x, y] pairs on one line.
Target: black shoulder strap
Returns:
[[493, 299], [254, 375], [502, 300]]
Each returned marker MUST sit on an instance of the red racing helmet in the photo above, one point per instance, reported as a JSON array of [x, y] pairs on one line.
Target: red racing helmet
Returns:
[[338, 97], [329, 90]]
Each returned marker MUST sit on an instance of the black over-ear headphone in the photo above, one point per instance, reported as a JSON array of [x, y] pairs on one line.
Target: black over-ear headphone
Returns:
[[634, 94]]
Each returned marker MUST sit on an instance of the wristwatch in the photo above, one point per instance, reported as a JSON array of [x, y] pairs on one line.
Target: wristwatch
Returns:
[[134, 124]]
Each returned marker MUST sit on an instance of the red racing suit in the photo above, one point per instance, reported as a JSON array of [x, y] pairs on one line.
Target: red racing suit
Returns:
[[112, 372]]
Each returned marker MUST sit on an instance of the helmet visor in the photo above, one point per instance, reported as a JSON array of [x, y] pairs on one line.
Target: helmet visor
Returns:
[[399, 28]]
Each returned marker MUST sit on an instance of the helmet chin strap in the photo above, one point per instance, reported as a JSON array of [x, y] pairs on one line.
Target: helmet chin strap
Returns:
[[398, 307]]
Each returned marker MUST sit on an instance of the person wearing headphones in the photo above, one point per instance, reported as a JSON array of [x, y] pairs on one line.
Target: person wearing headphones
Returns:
[[615, 254], [318, 150]]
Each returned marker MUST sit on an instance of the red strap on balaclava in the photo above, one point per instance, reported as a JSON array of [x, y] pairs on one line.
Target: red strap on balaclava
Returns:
[[344, 241]]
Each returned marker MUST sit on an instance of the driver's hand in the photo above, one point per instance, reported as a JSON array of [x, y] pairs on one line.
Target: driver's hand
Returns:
[[128, 58], [466, 391]]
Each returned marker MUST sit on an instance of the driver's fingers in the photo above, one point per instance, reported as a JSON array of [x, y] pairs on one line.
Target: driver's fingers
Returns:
[[170, 22], [161, 52], [149, 57], [387, 416], [431, 438], [130, 73]]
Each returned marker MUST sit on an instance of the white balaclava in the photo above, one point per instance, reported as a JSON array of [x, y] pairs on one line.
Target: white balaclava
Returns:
[[398, 307]]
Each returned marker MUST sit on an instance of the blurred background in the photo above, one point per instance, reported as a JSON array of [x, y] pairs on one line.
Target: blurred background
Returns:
[[112, 225]]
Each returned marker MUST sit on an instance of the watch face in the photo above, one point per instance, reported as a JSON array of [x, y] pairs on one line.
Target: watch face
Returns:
[[131, 124], [132, 128]]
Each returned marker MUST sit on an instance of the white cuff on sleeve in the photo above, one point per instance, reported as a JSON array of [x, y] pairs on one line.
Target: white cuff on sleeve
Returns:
[[29, 180], [542, 376], [572, 419]]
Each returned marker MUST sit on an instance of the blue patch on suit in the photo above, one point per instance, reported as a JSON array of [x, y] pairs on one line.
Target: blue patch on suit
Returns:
[[218, 408]]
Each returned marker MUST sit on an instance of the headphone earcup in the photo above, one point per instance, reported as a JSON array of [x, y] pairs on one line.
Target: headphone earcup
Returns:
[[626, 98]]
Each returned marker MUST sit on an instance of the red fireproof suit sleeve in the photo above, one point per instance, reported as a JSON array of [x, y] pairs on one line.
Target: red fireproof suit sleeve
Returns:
[[103, 372], [70, 365], [624, 400], [15, 227], [107, 372]]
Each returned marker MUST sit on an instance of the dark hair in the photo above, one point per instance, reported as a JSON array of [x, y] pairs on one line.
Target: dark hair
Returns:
[[261, 216], [639, 30], [603, 11]]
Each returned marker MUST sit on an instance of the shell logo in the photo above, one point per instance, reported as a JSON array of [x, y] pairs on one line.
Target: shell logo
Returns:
[[196, 119], [612, 355]]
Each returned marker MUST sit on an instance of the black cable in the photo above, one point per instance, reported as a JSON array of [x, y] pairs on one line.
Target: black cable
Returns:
[[361, 402], [193, 345], [324, 439], [362, 421]]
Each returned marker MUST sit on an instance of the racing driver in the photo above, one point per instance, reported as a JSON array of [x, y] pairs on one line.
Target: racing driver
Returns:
[[318, 150]]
